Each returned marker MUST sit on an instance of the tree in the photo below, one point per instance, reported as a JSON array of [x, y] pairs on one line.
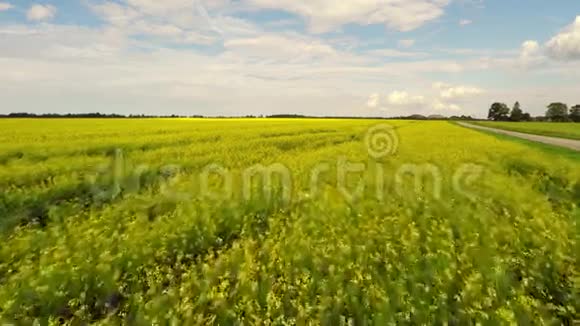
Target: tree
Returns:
[[575, 113], [499, 112], [517, 113], [557, 112], [526, 117]]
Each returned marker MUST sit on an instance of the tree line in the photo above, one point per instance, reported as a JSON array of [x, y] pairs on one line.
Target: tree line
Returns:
[[21, 115], [556, 112], [95, 115]]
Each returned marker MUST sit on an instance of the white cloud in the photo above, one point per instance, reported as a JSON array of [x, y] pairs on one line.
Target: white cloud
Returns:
[[566, 45], [530, 54], [41, 12], [373, 101], [563, 47], [406, 43], [440, 85], [447, 91], [439, 105], [402, 98], [115, 14], [155, 7], [326, 15], [280, 48], [176, 21], [321, 15], [5, 6], [465, 22], [249, 70], [449, 95], [396, 103], [392, 53], [259, 75], [530, 49], [48, 40], [402, 102]]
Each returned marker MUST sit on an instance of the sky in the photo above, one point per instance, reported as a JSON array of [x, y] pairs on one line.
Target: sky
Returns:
[[312, 57]]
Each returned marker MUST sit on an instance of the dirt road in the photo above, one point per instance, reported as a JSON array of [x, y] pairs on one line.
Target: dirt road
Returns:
[[562, 142]]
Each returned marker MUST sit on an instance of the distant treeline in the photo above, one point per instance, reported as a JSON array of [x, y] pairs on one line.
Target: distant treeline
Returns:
[[409, 117], [97, 115], [433, 117], [556, 112], [21, 115]]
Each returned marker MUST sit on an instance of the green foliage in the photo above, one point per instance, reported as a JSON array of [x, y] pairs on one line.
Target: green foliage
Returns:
[[129, 240], [526, 117], [575, 113], [557, 112], [517, 114], [562, 130], [499, 112]]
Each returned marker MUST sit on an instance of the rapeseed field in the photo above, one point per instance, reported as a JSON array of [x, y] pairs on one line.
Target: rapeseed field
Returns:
[[283, 222]]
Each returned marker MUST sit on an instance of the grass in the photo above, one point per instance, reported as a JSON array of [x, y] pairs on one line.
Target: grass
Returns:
[[551, 129], [548, 149], [155, 222]]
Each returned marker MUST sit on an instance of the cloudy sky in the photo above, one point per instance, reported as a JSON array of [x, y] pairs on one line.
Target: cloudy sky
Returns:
[[315, 57]]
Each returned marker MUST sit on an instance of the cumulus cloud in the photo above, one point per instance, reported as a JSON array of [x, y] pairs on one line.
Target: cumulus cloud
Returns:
[[530, 54], [326, 15], [130, 58], [403, 102], [449, 95], [443, 97], [397, 102], [563, 47], [41, 12], [439, 105], [566, 45], [264, 74], [402, 98], [448, 92], [5, 6], [530, 49]]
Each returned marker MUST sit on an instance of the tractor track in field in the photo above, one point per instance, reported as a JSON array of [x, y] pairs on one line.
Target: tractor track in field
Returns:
[[555, 141]]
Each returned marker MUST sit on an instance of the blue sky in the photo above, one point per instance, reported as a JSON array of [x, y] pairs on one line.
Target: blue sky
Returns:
[[316, 57]]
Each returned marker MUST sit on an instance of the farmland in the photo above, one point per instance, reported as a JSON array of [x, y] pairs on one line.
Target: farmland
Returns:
[[563, 130], [159, 221]]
